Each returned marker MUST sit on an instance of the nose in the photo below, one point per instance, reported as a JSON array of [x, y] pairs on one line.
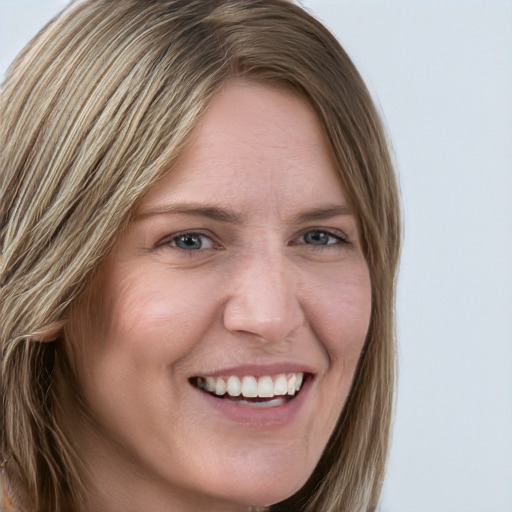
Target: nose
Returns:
[[264, 300]]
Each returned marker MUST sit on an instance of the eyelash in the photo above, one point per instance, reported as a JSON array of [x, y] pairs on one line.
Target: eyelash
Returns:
[[336, 239], [171, 241]]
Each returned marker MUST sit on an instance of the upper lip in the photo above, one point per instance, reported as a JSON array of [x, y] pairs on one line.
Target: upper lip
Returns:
[[259, 370]]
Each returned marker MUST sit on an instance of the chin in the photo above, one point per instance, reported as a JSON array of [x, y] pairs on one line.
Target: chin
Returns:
[[263, 485]]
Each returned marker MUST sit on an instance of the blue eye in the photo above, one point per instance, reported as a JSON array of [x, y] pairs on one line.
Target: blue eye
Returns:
[[191, 242], [321, 238]]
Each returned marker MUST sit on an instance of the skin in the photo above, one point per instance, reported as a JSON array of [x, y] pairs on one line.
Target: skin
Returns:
[[255, 288]]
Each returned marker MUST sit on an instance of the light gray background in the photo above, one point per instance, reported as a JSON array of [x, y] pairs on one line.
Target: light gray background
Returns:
[[441, 73]]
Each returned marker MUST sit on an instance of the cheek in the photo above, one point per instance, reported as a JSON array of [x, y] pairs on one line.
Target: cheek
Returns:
[[341, 314], [156, 316]]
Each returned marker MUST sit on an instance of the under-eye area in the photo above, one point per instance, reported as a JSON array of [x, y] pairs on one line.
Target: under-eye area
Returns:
[[266, 391]]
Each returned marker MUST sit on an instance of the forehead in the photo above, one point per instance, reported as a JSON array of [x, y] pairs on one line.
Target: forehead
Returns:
[[254, 138]]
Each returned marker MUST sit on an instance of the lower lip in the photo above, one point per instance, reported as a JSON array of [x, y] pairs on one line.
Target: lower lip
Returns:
[[267, 418]]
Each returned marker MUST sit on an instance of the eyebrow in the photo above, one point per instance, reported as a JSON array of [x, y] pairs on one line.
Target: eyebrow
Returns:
[[227, 215], [221, 214], [322, 213]]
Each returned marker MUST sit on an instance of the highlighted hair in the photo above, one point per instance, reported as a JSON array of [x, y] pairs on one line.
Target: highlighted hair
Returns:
[[94, 111]]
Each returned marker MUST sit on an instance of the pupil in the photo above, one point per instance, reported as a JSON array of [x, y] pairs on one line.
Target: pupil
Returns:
[[316, 238], [189, 242]]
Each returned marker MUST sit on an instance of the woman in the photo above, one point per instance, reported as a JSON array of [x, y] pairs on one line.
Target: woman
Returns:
[[199, 236]]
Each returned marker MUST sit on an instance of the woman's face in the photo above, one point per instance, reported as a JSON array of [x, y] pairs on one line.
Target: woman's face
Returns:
[[242, 268]]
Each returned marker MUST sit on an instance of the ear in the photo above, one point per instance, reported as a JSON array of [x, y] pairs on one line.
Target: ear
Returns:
[[49, 333]]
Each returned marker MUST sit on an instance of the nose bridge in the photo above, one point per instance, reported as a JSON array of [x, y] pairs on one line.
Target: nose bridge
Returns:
[[264, 301]]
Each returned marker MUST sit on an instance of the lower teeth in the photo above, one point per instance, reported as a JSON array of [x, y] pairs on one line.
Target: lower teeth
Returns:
[[274, 402], [257, 402]]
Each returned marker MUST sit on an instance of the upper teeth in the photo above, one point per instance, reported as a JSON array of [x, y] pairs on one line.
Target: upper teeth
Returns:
[[252, 387]]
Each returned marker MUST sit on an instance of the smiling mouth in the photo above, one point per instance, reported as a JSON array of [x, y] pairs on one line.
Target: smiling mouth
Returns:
[[265, 391]]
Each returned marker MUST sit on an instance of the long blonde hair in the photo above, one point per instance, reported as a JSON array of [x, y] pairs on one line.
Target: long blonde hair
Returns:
[[95, 110]]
